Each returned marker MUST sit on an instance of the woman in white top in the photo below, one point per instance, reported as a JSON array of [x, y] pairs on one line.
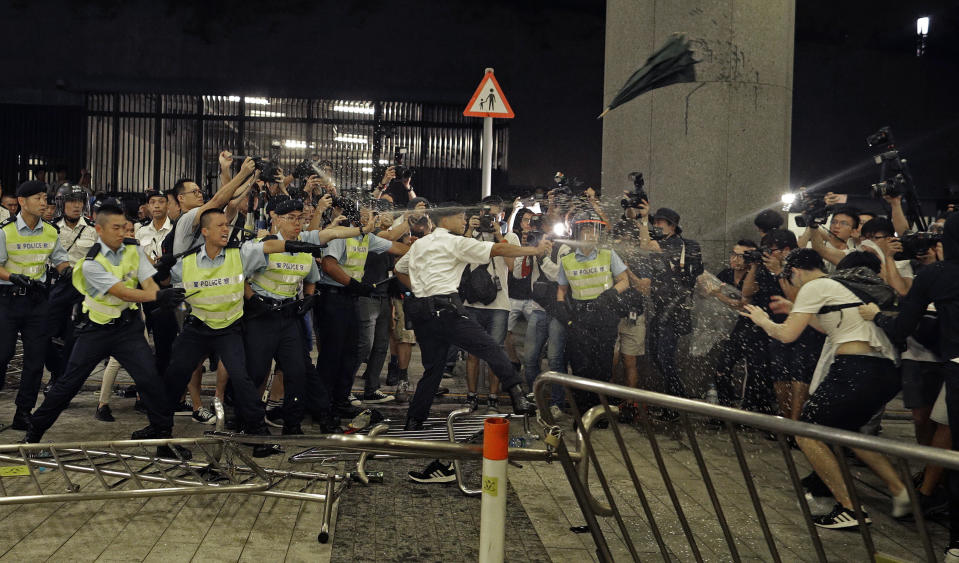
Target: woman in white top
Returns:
[[861, 379]]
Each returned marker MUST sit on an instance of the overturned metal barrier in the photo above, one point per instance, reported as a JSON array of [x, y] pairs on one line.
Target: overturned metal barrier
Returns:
[[581, 462]]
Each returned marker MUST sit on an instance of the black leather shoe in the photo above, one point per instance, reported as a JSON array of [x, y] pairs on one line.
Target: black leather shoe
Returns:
[[263, 450], [331, 426], [21, 419], [104, 414], [168, 452], [520, 404], [149, 432], [413, 424], [294, 430]]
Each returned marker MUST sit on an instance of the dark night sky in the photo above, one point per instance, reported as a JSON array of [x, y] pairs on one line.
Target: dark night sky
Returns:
[[855, 68]]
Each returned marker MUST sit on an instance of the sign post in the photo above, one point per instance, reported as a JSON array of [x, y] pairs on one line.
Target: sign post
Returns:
[[488, 102]]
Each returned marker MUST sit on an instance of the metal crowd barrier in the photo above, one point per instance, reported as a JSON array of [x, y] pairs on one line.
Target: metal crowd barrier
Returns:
[[127, 469], [578, 472]]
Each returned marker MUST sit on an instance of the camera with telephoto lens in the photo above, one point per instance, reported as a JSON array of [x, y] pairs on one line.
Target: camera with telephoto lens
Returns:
[[306, 169], [891, 188], [811, 208], [656, 233], [350, 208], [259, 162], [915, 244], [636, 197]]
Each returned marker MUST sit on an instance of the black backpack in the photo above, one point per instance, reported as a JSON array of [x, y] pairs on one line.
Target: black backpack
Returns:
[[477, 285]]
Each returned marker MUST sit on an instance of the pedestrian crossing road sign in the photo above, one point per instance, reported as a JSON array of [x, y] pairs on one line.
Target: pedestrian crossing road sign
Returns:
[[488, 100]]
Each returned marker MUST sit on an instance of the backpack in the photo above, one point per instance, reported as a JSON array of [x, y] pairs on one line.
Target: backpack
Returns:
[[477, 285], [864, 284]]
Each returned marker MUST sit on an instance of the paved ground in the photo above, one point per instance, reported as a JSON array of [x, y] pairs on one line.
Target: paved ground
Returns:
[[399, 521]]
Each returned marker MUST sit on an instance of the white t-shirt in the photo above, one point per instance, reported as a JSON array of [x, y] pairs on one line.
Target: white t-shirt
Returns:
[[435, 263], [499, 265], [846, 325]]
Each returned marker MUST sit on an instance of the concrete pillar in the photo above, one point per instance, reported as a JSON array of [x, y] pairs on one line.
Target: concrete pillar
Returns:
[[715, 150]]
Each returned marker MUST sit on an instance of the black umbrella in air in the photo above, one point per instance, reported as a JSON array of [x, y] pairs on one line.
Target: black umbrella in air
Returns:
[[671, 64]]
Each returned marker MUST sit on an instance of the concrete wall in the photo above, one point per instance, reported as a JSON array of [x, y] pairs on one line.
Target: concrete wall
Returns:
[[716, 150]]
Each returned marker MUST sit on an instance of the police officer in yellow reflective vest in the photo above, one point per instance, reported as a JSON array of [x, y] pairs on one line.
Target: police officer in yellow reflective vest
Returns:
[[27, 245], [213, 277], [273, 320], [340, 286], [587, 301], [111, 324]]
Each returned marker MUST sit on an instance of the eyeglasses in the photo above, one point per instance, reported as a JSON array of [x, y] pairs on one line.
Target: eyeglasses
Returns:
[[196, 192], [735, 255], [841, 223]]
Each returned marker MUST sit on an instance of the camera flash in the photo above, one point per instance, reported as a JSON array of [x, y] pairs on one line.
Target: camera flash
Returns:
[[788, 198], [559, 229]]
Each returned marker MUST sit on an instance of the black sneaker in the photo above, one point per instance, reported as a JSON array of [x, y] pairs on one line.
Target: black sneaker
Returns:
[[840, 518], [377, 397], [435, 472], [104, 414], [472, 401], [492, 403], [183, 409], [21, 419], [933, 505]]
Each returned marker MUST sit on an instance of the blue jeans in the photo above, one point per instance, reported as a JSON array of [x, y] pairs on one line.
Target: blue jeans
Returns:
[[541, 328], [493, 321]]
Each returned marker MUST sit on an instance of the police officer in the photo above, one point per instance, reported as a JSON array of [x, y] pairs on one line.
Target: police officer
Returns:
[[111, 324], [272, 327], [77, 236], [432, 269], [590, 280], [213, 277], [344, 262], [27, 244]]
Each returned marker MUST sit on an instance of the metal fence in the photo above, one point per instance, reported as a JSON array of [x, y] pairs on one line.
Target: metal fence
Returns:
[[135, 141], [656, 527]]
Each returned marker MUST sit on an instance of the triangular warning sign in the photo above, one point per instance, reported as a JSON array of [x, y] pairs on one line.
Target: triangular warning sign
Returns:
[[488, 100]]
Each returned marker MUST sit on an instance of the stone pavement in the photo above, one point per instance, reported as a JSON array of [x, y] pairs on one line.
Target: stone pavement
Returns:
[[400, 521]]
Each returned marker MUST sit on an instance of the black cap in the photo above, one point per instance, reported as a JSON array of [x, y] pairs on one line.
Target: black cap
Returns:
[[668, 214], [75, 192], [108, 202], [33, 187], [288, 206], [275, 201], [153, 193]]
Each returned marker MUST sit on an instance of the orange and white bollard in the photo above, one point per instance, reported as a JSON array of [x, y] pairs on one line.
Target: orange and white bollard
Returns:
[[493, 508]]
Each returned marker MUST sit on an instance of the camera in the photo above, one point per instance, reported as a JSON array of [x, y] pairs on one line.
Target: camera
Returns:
[[486, 221], [638, 195], [536, 230], [656, 233], [891, 188], [914, 244], [259, 162], [754, 256], [811, 208], [306, 169], [880, 138], [351, 210]]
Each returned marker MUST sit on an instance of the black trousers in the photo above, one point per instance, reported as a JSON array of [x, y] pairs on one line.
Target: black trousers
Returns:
[[24, 315], [63, 298], [435, 336], [162, 324], [194, 343], [746, 342], [590, 341], [338, 332], [278, 336], [94, 344]]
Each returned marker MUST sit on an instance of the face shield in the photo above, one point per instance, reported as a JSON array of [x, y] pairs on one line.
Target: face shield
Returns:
[[590, 231]]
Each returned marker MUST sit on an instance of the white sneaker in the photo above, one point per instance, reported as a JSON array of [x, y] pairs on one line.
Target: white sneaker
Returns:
[[901, 505], [354, 401], [951, 555]]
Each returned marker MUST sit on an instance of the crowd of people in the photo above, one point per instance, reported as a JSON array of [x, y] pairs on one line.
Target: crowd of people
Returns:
[[270, 265]]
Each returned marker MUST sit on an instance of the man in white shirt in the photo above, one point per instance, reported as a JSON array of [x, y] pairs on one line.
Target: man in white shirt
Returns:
[[77, 233], [432, 269], [151, 235]]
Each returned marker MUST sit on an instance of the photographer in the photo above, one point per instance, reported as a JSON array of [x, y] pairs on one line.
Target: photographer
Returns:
[[746, 341], [768, 220], [399, 191], [675, 269], [528, 273], [485, 295], [834, 244]]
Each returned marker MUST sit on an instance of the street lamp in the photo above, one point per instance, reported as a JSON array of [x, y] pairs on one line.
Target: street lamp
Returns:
[[922, 31]]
